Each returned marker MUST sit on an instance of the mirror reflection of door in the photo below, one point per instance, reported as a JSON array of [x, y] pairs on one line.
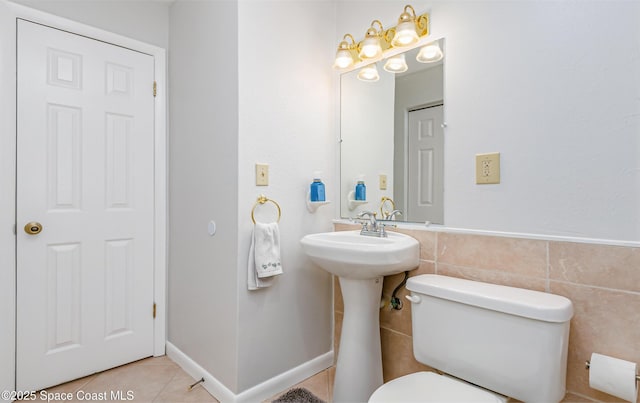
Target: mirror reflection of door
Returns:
[[425, 188], [418, 189]]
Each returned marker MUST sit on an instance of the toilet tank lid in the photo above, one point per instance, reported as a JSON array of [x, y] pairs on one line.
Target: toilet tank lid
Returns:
[[516, 301]]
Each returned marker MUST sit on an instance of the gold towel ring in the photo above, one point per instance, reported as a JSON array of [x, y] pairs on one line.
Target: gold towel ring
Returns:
[[382, 202], [262, 199]]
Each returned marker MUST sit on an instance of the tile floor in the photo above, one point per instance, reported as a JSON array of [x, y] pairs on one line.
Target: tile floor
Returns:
[[157, 380], [160, 380]]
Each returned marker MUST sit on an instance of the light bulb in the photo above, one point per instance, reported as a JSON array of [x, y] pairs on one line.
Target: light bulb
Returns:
[[343, 59], [369, 73], [430, 53], [405, 34], [370, 47], [396, 64]]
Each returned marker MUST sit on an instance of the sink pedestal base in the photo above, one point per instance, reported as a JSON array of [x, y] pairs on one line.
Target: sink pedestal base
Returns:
[[359, 366]]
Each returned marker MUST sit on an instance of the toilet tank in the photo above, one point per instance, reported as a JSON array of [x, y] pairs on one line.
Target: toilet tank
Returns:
[[509, 340]]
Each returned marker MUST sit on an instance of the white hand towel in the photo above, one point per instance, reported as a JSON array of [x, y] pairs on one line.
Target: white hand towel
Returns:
[[267, 244], [264, 256]]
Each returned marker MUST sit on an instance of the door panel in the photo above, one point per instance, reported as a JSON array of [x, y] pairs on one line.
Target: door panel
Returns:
[[85, 172], [425, 190]]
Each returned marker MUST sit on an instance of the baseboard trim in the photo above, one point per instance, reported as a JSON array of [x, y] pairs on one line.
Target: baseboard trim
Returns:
[[260, 392], [211, 384]]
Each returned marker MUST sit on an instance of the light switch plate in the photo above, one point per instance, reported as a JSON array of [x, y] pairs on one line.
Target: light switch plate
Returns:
[[262, 175], [383, 182], [488, 168]]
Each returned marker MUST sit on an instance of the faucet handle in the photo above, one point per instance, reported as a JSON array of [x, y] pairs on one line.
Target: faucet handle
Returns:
[[362, 221], [382, 226], [363, 214], [372, 218]]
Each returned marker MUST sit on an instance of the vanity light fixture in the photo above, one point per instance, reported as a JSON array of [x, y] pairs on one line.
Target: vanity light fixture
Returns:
[[369, 73], [377, 40], [396, 64], [345, 53], [430, 53], [370, 47], [410, 28]]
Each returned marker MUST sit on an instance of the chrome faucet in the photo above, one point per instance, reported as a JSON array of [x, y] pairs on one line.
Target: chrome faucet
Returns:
[[372, 220], [391, 215], [372, 227]]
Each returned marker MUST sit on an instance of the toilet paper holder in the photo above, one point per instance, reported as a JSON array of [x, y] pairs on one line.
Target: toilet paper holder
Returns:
[[587, 364]]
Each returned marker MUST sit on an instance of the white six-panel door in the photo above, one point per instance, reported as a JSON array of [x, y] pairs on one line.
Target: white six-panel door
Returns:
[[425, 190], [85, 172]]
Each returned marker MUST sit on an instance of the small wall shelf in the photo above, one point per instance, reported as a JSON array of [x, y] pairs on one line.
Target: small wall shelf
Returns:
[[352, 202], [313, 206]]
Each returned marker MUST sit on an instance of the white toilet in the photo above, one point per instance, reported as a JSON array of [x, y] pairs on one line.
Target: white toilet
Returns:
[[497, 341]]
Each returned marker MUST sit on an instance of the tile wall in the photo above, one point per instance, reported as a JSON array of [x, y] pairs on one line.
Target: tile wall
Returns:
[[602, 281]]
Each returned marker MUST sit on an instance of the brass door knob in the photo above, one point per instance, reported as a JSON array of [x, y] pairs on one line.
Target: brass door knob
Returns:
[[33, 228]]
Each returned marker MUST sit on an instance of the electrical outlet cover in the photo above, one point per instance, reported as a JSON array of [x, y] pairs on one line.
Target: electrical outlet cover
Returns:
[[488, 168]]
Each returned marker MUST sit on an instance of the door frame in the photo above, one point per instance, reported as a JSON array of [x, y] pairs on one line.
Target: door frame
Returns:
[[9, 14]]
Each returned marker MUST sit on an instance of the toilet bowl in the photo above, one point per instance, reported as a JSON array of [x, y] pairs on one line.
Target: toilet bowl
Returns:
[[491, 338]]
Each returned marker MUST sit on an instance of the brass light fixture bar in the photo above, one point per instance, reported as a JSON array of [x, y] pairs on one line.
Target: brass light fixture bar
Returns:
[[378, 41]]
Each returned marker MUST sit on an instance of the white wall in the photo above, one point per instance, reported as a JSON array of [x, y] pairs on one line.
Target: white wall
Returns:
[[203, 149], [232, 105], [285, 120], [153, 31], [553, 87]]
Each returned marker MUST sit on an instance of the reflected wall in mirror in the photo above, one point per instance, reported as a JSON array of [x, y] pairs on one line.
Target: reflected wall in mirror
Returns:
[[392, 131]]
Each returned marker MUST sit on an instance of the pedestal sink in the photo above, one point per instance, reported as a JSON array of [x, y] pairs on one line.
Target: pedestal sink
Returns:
[[360, 262]]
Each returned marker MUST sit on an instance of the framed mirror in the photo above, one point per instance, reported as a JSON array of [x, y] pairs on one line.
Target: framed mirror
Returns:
[[392, 139]]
